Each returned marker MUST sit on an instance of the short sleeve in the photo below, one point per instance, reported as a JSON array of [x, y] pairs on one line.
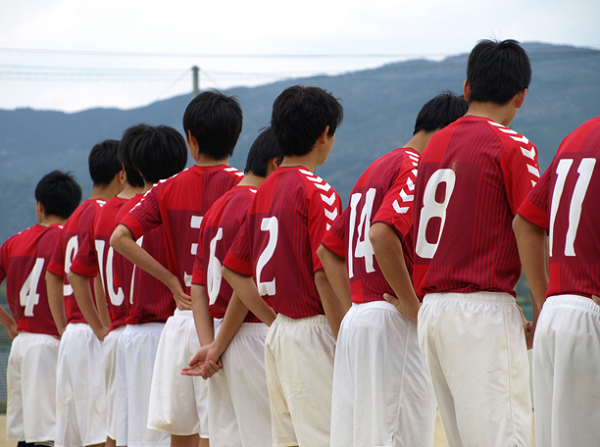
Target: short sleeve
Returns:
[[238, 256], [198, 272], [534, 208], [520, 170], [2, 263], [86, 259], [145, 215], [323, 211], [57, 261], [334, 238]]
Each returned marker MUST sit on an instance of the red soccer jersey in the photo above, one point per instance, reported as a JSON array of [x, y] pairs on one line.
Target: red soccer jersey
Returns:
[[219, 227], [383, 193], [150, 300], [278, 244], [73, 234], [565, 202], [473, 176], [178, 205], [97, 256], [24, 258]]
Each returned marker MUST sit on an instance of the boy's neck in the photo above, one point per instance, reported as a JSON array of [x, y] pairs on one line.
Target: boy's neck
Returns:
[[419, 141], [130, 191], [207, 161], [251, 179], [52, 220], [502, 114], [103, 193], [309, 161]]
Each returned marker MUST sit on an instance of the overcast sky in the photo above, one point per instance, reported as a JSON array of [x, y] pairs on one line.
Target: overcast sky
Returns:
[[124, 53]]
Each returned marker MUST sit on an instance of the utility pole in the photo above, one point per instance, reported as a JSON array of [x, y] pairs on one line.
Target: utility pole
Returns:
[[196, 78]]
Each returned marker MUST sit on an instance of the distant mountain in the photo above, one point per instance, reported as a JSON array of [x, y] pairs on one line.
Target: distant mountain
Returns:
[[380, 107]]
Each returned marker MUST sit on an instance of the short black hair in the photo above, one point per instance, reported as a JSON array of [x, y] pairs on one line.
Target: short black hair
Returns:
[[300, 115], [124, 153], [215, 121], [440, 111], [262, 150], [497, 71], [104, 163], [159, 152], [59, 193]]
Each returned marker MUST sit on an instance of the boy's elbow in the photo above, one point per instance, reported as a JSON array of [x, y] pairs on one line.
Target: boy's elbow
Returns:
[[381, 236], [119, 236]]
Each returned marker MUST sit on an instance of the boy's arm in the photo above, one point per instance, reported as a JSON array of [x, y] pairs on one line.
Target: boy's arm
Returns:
[[333, 307], [245, 288], [101, 303], [337, 274], [206, 360], [202, 319], [9, 324], [532, 242], [123, 242], [389, 254], [56, 300], [85, 301]]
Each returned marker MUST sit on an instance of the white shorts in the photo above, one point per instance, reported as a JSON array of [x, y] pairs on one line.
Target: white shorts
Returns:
[[178, 404], [136, 353], [566, 384], [474, 346], [382, 394], [109, 361], [299, 365], [80, 389], [238, 398], [31, 386]]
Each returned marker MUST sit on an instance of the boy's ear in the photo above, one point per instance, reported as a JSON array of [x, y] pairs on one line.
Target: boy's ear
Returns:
[[519, 98], [466, 90], [323, 137], [190, 139]]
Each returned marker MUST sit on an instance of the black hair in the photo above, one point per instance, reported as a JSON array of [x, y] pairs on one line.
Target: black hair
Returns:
[[300, 115], [215, 121], [159, 152], [497, 71], [104, 163], [124, 153], [59, 193], [261, 152], [440, 111]]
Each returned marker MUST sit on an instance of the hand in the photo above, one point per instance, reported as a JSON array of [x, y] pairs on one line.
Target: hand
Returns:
[[183, 301], [596, 299], [102, 333], [411, 314], [206, 362], [528, 328], [13, 331]]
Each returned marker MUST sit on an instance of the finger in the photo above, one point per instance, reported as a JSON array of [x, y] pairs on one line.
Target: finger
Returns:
[[389, 298]]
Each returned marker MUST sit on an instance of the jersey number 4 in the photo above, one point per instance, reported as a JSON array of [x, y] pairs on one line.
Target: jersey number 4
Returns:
[[28, 295], [586, 167], [364, 248]]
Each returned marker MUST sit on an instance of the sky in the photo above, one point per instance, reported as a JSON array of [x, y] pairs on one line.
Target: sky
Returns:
[[72, 55]]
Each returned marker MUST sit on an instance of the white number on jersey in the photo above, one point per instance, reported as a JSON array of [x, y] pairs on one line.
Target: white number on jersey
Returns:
[[195, 222], [364, 248], [116, 298], [213, 274], [432, 208], [586, 167], [139, 242], [70, 252], [28, 295], [271, 225]]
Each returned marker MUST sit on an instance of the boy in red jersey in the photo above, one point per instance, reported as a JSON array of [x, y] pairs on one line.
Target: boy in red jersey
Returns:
[[80, 387], [212, 123], [278, 244], [238, 399], [566, 353], [96, 257], [473, 176], [158, 153], [382, 394], [31, 374]]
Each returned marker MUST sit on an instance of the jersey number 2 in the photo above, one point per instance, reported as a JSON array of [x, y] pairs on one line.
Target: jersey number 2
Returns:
[[271, 225]]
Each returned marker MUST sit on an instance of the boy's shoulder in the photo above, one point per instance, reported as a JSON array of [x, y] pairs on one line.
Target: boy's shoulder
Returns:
[[83, 214]]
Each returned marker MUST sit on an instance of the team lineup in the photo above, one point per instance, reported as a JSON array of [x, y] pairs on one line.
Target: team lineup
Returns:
[[210, 306]]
